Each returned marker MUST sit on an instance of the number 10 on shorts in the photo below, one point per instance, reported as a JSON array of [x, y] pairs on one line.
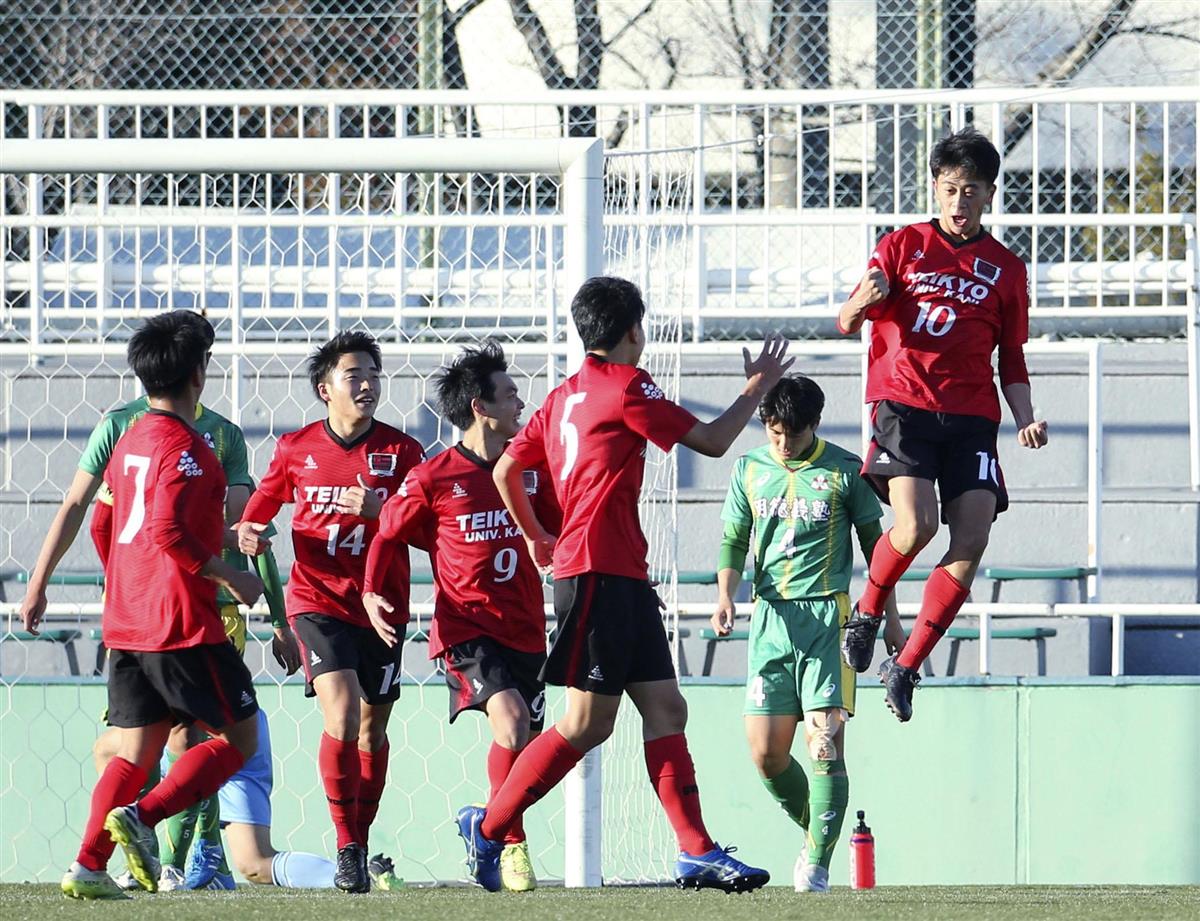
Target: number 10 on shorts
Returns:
[[987, 467]]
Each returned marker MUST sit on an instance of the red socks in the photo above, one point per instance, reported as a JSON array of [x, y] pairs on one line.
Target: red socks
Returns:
[[197, 775], [372, 768], [542, 764], [887, 566], [499, 764], [340, 769], [673, 777], [117, 786], [944, 595]]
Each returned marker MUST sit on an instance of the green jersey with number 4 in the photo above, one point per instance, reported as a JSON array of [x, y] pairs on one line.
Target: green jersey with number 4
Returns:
[[800, 515]]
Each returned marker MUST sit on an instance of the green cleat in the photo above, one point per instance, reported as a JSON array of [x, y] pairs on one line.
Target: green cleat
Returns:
[[82, 883], [383, 874], [139, 843], [516, 869]]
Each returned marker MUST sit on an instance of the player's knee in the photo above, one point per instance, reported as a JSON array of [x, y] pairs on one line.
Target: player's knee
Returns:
[[669, 716], [586, 732], [771, 762], [969, 544], [914, 533], [254, 866], [822, 729], [514, 736]]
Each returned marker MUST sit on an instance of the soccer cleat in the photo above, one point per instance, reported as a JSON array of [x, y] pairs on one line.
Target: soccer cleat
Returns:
[[810, 877], [351, 873], [516, 870], [858, 639], [718, 869], [139, 843], [126, 882], [81, 883], [483, 855], [383, 874], [221, 881], [898, 683], [204, 861], [170, 879]]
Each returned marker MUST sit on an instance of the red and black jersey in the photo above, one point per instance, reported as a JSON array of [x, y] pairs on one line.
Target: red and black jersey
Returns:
[[168, 501], [591, 434], [487, 584], [950, 304], [312, 468]]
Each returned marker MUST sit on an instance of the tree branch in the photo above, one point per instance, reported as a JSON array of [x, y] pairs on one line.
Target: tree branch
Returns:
[[533, 30], [629, 24], [454, 17], [740, 46], [1160, 33]]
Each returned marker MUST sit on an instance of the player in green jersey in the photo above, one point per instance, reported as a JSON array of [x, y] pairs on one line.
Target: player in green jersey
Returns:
[[797, 499]]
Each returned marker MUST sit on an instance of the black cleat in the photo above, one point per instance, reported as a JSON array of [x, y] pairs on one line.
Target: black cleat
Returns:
[[351, 873], [858, 639], [898, 683]]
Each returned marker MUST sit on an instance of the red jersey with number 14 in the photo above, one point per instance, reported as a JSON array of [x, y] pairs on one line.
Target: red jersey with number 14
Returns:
[[487, 584], [312, 468], [591, 433], [950, 304], [168, 517]]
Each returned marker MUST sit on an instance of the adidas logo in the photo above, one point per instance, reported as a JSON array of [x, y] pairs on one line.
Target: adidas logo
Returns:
[[187, 465], [477, 684], [309, 463], [313, 658], [595, 674], [458, 492], [883, 458], [247, 700]]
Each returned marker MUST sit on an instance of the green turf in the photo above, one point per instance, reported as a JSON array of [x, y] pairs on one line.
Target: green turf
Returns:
[[976, 903]]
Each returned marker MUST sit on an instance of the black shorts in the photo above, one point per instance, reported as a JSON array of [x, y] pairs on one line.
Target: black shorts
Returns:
[[207, 684], [329, 644], [479, 668], [610, 634], [957, 452]]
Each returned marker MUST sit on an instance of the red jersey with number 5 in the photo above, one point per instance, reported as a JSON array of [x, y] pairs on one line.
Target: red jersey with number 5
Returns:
[[950, 304], [591, 434], [168, 517], [313, 467], [487, 584]]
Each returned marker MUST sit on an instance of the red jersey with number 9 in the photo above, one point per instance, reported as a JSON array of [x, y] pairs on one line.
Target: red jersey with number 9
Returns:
[[950, 304], [591, 434], [168, 516], [313, 467]]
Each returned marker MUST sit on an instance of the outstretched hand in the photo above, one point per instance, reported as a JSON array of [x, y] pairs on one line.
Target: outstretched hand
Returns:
[[764, 371]]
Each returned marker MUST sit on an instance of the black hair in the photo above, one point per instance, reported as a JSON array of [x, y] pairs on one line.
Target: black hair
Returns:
[[167, 349], [604, 309], [795, 402], [326, 357], [969, 151], [467, 378]]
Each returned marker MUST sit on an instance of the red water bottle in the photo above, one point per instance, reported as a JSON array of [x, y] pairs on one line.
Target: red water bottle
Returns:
[[862, 856]]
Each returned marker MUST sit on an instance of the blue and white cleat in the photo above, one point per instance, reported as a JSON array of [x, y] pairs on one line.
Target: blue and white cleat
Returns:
[[718, 869], [483, 855], [202, 865], [223, 881]]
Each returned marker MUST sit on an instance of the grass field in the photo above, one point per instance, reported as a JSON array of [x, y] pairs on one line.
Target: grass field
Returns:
[[973, 903]]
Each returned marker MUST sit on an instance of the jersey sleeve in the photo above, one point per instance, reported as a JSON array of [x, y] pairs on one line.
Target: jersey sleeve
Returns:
[[176, 495], [648, 412], [528, 448], [738, 519], [885, 257], [1014, 309], [100, 445], [236, 463], [405, 519], [274, 491], [862, 505]]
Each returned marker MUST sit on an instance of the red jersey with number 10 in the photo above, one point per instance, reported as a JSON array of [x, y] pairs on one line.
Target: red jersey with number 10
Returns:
[[312, 468], [487, 584], [950, 304], [591, 433], [168, 517]]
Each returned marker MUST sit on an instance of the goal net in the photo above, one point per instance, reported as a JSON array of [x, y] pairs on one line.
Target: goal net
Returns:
[[428, 245]]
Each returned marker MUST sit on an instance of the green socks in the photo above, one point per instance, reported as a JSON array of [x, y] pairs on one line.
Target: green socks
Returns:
[[828, 800], [790, 790], [180, 829], [210, 828]]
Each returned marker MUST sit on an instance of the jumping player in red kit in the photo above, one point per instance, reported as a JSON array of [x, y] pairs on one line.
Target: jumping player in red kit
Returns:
[[489, 623], [941, 296], [338, 472]]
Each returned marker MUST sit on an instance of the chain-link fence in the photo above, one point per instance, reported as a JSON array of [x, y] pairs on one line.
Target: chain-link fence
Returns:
[[592, 44]]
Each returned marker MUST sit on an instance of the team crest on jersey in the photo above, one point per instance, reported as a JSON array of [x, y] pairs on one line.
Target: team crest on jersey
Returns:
[[458, 492], [530, 479], [187, 465], [381, 464], [820, 482], [985, 270], [309, 463], [208, 440], [652, 391], [919, 254]]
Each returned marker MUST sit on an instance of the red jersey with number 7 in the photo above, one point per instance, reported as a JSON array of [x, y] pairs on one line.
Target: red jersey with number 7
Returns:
[[591, 434], [168, 517], [487, 584], [313, 467], [950, 303]]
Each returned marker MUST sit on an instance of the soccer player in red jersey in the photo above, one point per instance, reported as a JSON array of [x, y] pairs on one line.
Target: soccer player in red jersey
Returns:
[[489, 623], [169, 658], [591, 433], [338, 472], [941, 297]]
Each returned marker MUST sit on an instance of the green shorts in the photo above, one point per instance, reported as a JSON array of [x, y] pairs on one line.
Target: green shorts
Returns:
[[795, 658]]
